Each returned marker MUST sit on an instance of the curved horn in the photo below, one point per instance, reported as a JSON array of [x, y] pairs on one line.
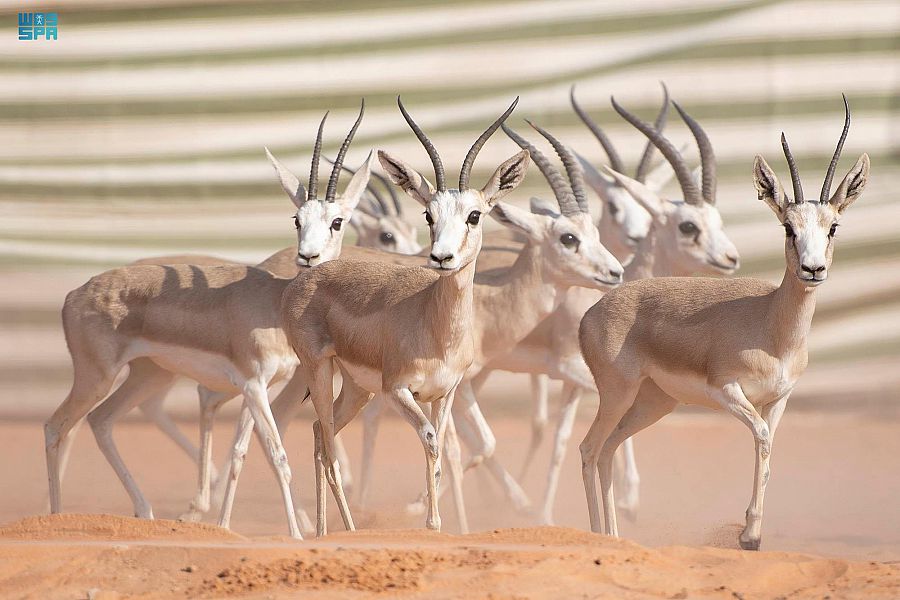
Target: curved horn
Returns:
[[707, 156], [615, 161], [561, 189], [383, 209], [640, 174], [314, 165], [479, 143], [573, 167], [339, 159], [829, 175], [390, 188], [439, 180], [795, 174], [682, 171]]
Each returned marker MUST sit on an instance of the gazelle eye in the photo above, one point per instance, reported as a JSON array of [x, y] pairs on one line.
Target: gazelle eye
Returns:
[[296, 222], [474, 217], [428, 219], [613, 209], [386, 237], [833, 230], [788, 230], [688, 228], [569, 241], [336, 224]]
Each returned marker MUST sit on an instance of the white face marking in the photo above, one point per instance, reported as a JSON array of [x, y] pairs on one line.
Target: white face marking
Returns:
[[694, 238], [455, 241], [574, 255], [809, 251], [624, 222], [317, 239]]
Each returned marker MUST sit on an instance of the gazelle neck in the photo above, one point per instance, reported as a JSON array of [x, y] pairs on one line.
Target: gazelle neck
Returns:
[[791, 313], [449, 314], [644, 263], [527, 292]]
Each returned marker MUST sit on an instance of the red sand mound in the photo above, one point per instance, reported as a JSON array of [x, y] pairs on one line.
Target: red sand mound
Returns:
[[111, 527]]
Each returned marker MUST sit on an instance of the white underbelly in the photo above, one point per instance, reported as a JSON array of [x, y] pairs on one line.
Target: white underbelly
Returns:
[[365, 377], [687, 388], [214, 371]]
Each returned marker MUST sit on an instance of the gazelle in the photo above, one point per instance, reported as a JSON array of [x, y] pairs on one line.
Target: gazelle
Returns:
[[685, 237], [402, 331], [737, 345], [562, 250], [172, 317], [379, 224]]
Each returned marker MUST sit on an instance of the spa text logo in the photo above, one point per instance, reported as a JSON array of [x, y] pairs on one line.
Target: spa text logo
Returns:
[[38, 26]]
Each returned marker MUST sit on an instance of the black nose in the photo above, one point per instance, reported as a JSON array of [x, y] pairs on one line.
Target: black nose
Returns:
[[635, 239], [307, 258], [732, 259], [441, 259], [812, 270], [617, 275]]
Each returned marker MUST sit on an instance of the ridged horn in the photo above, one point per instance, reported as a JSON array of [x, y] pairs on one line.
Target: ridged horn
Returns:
[[573, 168], [707, 155], [479, 143], [829, 175], [439, 179], [792, 166], [314, 165], [615, 161], [669, 151], [561, 189], [383, 207], [640, 174], [342, 152]]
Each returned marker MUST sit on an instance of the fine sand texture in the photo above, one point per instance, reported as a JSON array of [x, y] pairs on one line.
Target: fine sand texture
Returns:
[[832, 528]]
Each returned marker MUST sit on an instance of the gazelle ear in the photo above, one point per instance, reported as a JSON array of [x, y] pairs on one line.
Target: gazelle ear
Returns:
[[357, 186], [507, 177], [768, 187], [519, 220], [539, 206], [362, 221], [853, 185], [644, 196], [407, 178], [289, 182], [598, 182]]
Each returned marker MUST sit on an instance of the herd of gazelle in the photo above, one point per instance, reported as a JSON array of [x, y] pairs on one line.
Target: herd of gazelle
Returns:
[[423, 339]]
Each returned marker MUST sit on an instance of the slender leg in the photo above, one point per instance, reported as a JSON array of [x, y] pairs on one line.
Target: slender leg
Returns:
[[154, 409], [287, 403], [617, 397], [476, 433], [210, 402], [371, 415], [145, 380], [256, 398], [91, 384], [731, 397], [239, 446], [751, 536], [440, 417], [649, 406], [321, 391], [404, 403], [454, 466], [628, 480], [539, 404], [571, 396]]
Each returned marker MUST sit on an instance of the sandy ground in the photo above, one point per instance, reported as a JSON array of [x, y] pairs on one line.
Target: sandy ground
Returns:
[[832, 498]]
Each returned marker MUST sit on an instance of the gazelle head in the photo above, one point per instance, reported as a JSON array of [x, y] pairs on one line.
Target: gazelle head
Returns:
[[320, 222], [571, 252], [624, 223], [380, 224], [810, 225], [454, 216], [689, 232]]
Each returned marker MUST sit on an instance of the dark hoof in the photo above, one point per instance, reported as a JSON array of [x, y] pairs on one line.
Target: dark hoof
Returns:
[[749, 545]]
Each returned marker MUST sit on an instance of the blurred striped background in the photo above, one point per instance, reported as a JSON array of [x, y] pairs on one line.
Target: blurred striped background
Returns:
[[141, 132]]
